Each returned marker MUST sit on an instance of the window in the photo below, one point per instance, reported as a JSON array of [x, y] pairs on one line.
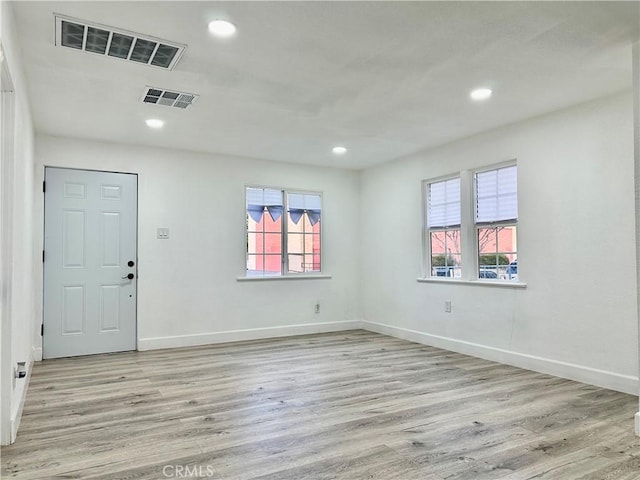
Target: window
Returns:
[[496, 218], [443, 222], [265, 207], [303, 232], [279, 243], [471, 225]]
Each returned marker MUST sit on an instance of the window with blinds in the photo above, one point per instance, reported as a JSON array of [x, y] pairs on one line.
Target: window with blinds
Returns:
[[283, 232], [264, 209], [496, 218], [443, 227], [303, 232]]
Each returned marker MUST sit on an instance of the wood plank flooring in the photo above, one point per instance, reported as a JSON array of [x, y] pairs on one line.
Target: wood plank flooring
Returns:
[[349, 405]]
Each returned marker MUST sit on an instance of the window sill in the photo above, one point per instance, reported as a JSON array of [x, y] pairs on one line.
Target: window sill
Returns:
[[284, 277], [482, 283]]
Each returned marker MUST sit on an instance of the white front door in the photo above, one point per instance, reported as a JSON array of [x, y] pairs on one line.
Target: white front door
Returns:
[[90, 262]]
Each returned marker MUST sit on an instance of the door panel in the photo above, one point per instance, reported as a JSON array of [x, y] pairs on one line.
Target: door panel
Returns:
[[73, 318], [110, 241], [109, 308], [90, 236], [73, 238]]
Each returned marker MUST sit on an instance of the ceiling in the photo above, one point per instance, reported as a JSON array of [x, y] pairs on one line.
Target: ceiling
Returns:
[[384, 79]]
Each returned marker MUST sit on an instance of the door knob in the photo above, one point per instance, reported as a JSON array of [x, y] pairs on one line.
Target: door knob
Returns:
[[131, 263], [131, 276]]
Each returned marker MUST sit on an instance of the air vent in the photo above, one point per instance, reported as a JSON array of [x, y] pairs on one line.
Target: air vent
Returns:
[[116, 43], [168, 98]]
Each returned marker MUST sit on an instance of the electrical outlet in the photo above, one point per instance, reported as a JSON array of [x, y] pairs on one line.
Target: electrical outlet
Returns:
[[163, 233], [316, 309], [447, 306]]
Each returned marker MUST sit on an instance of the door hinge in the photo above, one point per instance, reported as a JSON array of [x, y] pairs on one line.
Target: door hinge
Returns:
[[44, 187], [42, 256], [42, 329]]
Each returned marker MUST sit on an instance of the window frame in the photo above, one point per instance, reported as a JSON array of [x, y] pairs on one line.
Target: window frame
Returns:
[[496, 224], [426, 230], [284, 263], [469, 229]]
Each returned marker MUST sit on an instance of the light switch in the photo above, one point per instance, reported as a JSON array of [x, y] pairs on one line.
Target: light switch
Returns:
[[163, 233]]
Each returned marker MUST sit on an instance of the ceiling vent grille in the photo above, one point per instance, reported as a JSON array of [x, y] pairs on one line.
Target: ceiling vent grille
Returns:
[[168, 98], [116, 43]]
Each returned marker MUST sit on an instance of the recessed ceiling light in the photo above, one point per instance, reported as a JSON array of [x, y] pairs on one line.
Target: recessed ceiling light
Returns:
[[481, 94], [339, 150], [222, 28], [154, 123]]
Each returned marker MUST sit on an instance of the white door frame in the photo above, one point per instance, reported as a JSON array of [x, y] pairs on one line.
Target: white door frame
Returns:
[[7, 161], [44, 175]]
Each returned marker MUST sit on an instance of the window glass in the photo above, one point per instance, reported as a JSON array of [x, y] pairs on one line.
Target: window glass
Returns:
[[497, 247]]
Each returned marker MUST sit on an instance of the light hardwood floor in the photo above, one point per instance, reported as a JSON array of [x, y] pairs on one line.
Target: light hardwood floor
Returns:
[[350, 405]]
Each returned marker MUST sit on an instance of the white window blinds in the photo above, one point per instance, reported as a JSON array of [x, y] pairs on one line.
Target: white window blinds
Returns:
[[260, 198], [497, 195], [444, 203], [300, 203]]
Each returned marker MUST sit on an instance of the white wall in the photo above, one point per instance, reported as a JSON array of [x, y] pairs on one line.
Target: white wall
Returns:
[[636, 144], [187, 288], [577, 316], [19, 323]]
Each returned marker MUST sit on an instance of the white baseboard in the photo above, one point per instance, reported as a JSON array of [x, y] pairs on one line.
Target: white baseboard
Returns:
[[638, 424], [22, 385], [155, 343], [593, 376]]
